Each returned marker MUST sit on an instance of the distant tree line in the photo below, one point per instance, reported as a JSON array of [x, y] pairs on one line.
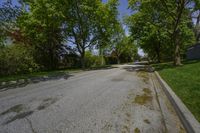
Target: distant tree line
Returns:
[[52, 34], [165, 28]]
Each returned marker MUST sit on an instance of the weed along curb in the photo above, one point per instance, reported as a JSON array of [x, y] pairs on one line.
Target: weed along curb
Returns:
[[188, 120]]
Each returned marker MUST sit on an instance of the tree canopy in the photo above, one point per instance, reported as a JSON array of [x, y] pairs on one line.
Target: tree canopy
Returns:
[[55, 32], [67, 33], [162, 27]]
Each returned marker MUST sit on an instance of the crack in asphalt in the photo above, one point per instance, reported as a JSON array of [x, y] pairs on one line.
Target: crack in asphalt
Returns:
[[31, 126]]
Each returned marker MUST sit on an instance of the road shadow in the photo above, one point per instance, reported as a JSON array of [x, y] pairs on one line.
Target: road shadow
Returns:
[[169, 65], [141, 63], [138, 68], [33, 80], [21, 111], [161, 66], [190, 61], [101, 68]]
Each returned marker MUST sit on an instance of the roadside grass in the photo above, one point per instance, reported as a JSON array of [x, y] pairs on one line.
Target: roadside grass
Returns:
[[49, 73], [185, 82]]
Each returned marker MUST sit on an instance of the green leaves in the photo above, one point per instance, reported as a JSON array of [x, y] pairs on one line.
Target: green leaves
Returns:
[[154, 24], [15, 59], [50, 26], [41, 28]]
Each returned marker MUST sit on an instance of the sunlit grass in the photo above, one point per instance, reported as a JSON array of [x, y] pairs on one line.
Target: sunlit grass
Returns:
[[185, 81]]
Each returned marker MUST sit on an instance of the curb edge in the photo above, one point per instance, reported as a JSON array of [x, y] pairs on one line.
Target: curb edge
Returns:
[[189, 122]]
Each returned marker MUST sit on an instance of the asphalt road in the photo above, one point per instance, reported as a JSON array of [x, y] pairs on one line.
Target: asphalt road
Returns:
[[117, 100]]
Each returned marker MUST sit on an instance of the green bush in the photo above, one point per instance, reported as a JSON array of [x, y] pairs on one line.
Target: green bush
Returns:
[[99, 61], [93, 60], [16, 59]]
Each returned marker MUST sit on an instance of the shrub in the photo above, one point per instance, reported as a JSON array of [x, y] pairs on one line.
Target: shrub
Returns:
[[16, 59], [93, 60]]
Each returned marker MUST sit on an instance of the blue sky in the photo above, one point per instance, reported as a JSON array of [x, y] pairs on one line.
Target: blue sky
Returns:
[[15, 2], [123, 8], [123, 11]]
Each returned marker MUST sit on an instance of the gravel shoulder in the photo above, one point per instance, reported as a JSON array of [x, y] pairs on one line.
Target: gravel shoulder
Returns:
[[118, 100]]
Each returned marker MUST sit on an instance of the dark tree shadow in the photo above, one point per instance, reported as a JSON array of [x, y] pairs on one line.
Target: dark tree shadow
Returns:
[[168, 65], [33, 80], [162, 66], [139, 68], [190, 61], [100, 68]]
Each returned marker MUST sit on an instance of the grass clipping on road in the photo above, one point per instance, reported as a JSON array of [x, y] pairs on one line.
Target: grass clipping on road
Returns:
[[185, 82], [144, 98]]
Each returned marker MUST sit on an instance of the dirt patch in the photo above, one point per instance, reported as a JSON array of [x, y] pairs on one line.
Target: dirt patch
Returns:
[[46, 103], [137, 130], [16, 109], [144, 76], [147, 121], [142, 99], [117, 79], [147, 91]]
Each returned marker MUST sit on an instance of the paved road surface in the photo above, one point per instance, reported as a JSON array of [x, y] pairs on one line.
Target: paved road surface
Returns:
[[117, 100]]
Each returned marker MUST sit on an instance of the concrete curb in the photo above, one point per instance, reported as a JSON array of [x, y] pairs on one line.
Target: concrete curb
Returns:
[[188, 120]]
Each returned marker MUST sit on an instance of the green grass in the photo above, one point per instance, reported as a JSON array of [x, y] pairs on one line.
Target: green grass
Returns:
[[185, 82]]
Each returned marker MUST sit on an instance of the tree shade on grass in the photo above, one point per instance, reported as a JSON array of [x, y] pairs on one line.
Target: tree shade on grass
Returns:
[[185, 82]]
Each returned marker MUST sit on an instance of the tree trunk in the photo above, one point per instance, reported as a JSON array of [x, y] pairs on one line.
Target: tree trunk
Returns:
[[101, 55], [177, 55], [176, 33], [118, 60], [83, 60], [158, 57], [158, 52], [102, 60], [51, 59]]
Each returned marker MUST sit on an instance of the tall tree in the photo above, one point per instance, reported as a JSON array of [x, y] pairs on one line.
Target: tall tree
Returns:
[[118, 42], [41, 28], [87, 23], [107, 22], [165, 22], [177, 12]]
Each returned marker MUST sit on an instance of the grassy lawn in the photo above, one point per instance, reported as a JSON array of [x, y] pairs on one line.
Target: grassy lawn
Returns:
[[185, 82]]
